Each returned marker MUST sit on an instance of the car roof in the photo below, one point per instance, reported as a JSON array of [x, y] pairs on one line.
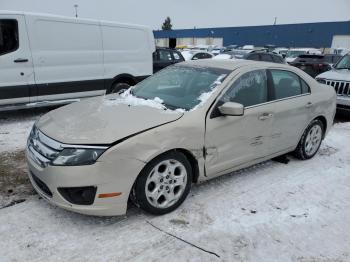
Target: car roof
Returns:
[[232, 64]]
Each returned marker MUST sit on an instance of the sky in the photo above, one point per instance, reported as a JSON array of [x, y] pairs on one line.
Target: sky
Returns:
[[195, 13]]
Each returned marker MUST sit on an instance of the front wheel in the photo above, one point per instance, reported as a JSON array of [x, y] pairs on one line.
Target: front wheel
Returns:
[[310, 141], [164, 183]]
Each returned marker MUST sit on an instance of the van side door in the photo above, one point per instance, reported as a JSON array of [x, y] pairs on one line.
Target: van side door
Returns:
[[67, 57], [16, 73]]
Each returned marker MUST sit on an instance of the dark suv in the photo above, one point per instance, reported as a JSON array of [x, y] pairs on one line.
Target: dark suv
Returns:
[[315, 64], [164, 57], [264, 55]]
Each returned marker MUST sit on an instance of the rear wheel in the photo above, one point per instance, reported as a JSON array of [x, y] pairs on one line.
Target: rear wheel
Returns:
[[164, 183], [119, 86], [310, 141]]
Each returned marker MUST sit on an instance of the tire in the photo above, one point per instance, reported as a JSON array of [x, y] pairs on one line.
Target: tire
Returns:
[[118, 86], [310, 141], [155, 190]]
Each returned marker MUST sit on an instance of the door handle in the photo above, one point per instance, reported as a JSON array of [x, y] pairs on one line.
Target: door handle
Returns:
[[308, 105], [265, 116], [20, 60]]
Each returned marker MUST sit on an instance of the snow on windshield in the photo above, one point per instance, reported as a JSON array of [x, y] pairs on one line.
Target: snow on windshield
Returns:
[[127, 98]]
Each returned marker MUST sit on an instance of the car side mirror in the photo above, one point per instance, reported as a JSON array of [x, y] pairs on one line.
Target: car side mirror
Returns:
[[231, 109]]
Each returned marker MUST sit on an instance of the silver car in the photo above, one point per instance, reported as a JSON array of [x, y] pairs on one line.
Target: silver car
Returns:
[[186, 124]]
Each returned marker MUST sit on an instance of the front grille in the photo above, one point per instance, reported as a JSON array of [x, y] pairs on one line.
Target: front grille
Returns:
[[43, 187], [342, 88], [42, 149]]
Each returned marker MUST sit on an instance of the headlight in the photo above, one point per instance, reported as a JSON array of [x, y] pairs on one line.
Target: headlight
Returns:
[[321, 80], [77, 156]]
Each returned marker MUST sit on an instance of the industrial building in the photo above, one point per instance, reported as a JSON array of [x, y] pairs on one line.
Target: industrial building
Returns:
[[319, 35]]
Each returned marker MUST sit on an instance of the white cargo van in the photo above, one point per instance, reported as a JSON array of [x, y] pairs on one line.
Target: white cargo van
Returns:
[[48, 59]]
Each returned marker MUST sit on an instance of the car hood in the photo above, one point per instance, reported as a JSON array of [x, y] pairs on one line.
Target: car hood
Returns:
[[334, 74], [103, 120]]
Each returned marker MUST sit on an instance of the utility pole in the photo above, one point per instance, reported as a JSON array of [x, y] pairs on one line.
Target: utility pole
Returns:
[[274, 23], [76, 10]]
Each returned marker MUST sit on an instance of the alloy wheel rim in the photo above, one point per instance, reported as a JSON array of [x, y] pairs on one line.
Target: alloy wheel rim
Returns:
[[313, 140], [166, 183]]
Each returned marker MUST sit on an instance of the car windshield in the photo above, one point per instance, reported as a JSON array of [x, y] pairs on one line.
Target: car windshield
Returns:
[[294, 53], [180, 87], [343, 63]]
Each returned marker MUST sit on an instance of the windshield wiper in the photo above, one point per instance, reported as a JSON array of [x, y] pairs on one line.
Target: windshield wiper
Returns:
[[348, 68]]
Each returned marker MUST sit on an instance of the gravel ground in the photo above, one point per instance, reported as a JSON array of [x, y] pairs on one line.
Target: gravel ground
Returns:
[[269, 212]]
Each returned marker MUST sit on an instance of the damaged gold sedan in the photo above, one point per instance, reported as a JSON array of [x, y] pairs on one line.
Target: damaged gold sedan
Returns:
[[186, 124]]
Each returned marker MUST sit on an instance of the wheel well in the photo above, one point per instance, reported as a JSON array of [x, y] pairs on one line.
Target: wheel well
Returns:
[[324, 122], [129, 79], [193, 161]]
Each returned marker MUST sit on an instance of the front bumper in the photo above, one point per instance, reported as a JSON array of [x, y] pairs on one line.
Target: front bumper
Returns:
[[106, 177], [343, 102]]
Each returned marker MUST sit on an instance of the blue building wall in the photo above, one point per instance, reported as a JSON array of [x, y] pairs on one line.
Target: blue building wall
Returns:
[[289, 35]]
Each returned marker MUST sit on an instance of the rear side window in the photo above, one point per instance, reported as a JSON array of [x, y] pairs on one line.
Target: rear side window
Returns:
[[8, 36], [250, 89], [253, 57], [164, 55], [286, 84], [204, 56], [277, 59], [304, 87], [177, 56], [266, 57]]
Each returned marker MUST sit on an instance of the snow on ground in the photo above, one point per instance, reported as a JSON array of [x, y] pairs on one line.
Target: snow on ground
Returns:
[[268, 212], [15, 128]]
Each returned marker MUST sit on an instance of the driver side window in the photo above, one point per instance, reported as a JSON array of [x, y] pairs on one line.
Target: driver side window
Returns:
[[250, 89]]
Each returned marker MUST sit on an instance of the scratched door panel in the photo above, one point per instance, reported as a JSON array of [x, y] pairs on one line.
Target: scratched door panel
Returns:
[[235, 140]]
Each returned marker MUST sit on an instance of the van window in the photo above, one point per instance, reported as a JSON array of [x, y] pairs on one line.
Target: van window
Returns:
[[286, 84], [250, 89], [8, 36]]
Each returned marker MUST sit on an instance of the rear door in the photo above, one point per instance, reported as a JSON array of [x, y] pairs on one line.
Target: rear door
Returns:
[[16, 73], [291, 109]]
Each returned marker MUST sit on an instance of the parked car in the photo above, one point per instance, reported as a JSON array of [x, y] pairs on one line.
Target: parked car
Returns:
[[224, 56], [164, 57], [312, 64], [293, 53], [332, 59], [281, 51], [195, 55], [190, 122], [48, 59], [218, 50], [264, 55], [339, 79]]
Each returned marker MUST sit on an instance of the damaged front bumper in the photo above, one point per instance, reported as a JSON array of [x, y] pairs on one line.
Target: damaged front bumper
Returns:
[[79, 188]]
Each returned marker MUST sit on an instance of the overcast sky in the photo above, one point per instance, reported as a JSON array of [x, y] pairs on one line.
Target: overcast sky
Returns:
[[187, 13]]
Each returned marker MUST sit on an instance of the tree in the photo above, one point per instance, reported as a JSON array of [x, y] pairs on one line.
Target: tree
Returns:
[[167, 24]]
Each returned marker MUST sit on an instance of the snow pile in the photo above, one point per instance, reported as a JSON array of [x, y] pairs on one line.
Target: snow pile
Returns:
[[203, 98], [128, 99]]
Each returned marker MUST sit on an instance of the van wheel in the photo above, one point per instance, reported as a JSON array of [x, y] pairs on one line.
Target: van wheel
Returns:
[[118, 86], [164, 183], [310, 141]]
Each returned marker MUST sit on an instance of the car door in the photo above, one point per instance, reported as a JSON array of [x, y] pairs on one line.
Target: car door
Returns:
[[16, 74], [232, 141], [164, 59], [291, 109]]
